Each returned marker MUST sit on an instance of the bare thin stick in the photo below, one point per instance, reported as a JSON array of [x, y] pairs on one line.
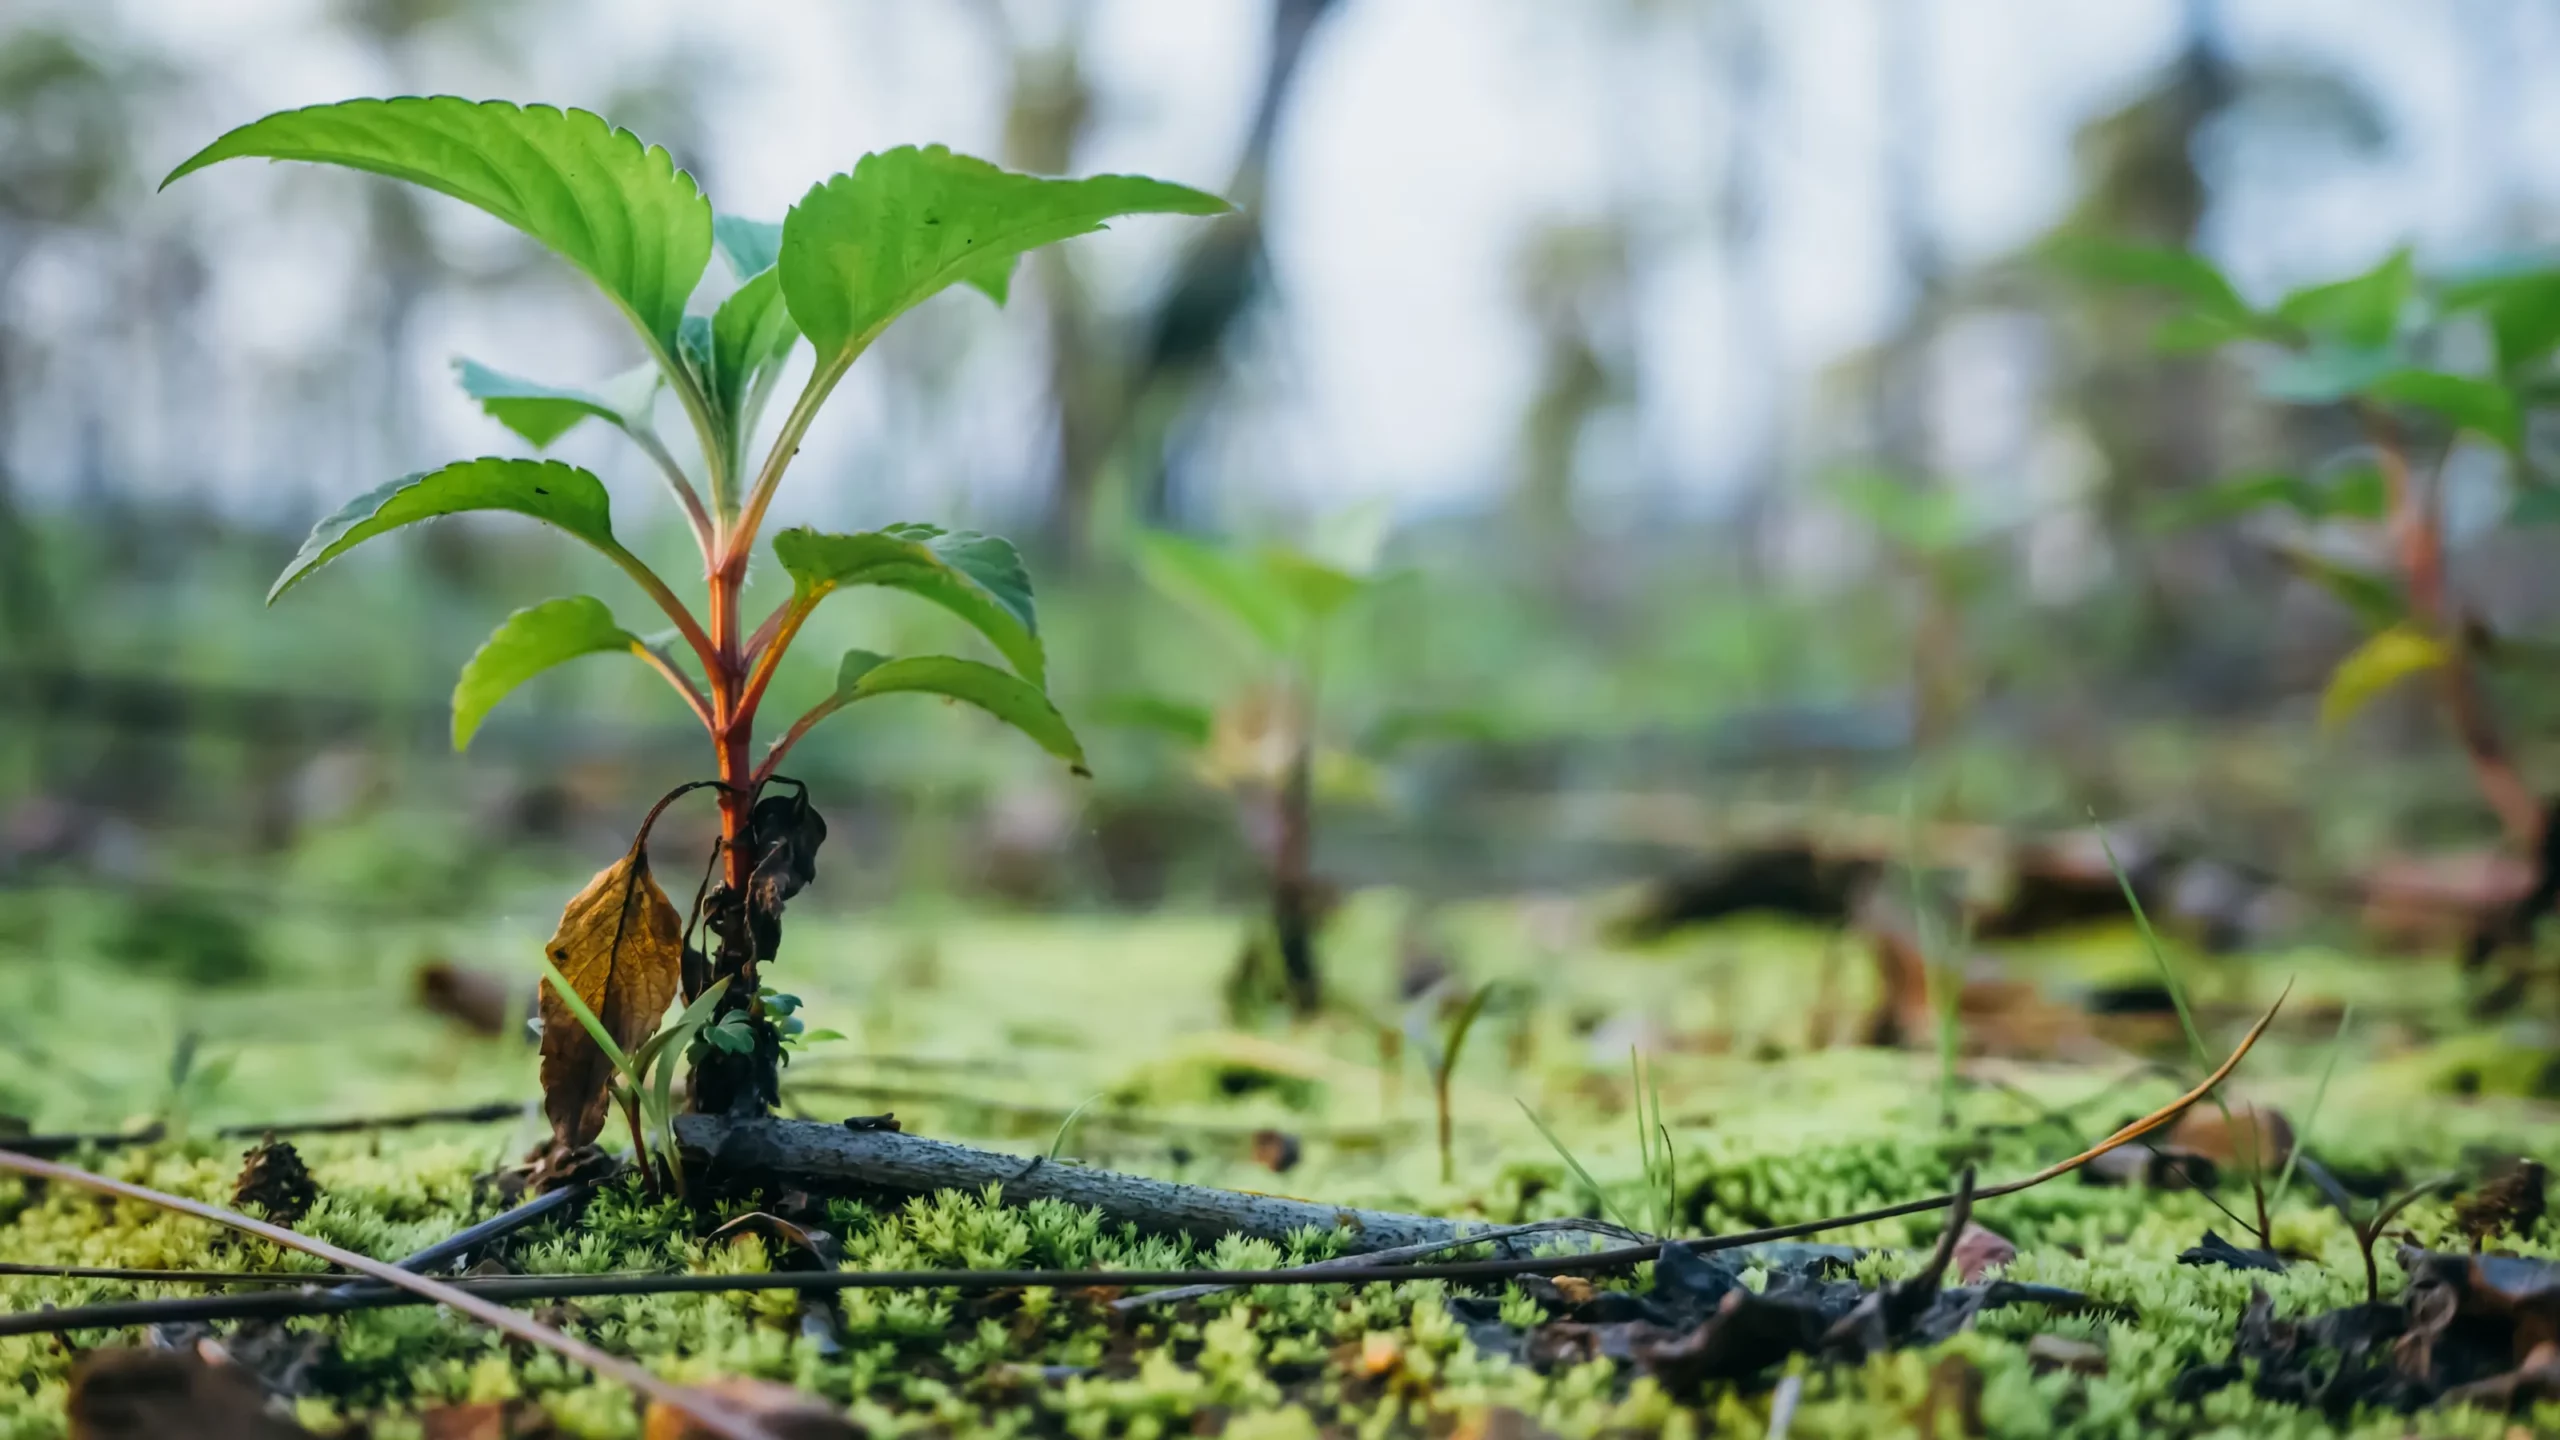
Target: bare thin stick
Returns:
[[713, 1415], [1314, 1271]]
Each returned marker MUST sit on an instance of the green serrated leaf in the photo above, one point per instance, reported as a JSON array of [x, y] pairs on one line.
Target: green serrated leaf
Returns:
[[1179, 719], [2193, 332], [2361, 313], [2523, 311], [976, 577], [543, 413], [2326, 376], [863, 675], [2180, 272], [601, 199], [2355, 492], [2373, 667], [527, 643], [749, 246], [547, 490], [2534, 505], [1225, 587], [2232, 498], [2484, 406], [861, 249], [1317, 589], [751, 335], [2375, 600]]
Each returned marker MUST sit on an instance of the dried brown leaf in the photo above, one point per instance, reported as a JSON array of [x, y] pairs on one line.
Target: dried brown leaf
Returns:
[[168, 1395], [621, 944], [1979, 1249], [474, 999], [785, 1413]]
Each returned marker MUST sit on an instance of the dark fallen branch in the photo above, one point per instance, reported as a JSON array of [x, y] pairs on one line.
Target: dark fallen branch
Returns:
[[464, 1243], [753, 1144], [1400, 1254], [888, 1160], [14, 1271], [46, 1147], [911, 1164]]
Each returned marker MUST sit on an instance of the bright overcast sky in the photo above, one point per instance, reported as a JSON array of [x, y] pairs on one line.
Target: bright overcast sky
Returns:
[[1428, 134]]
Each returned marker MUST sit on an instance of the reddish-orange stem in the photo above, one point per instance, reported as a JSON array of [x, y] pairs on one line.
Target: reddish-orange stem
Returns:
[[2417, 535]]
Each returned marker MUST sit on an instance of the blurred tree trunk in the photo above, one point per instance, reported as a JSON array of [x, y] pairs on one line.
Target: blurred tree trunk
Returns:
[[2150, 416], [1121, 391]]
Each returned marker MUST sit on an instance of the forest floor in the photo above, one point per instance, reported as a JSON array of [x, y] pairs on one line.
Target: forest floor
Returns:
[[993, 1030]]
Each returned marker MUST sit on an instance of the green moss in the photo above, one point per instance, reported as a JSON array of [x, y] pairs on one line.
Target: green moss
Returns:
[[1760, 1142]]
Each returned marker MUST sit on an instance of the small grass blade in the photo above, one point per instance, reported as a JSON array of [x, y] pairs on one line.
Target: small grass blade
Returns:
[[1058, 1143], [568, 994], [1572, 1164], [2319, 1094]]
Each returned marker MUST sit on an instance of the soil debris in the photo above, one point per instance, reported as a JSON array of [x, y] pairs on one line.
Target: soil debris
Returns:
[[2214, 1250], [781, 1411], [275, 1181], [2509, 1202], [2469, 1329]]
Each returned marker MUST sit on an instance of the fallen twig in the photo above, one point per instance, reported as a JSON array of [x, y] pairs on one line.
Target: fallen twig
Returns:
[[488, 1232], [713, 1416], [1363, 1269], [890, 1160], [1315, 1271]]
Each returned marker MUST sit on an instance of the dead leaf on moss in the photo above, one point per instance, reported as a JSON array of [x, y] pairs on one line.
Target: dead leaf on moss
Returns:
[[621, 944], [1979, 1249], [2250, 1132], [489, 1420], [783, 1413], [168, 1395]]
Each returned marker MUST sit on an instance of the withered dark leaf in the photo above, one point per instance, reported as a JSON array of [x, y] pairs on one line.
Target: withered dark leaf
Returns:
[[789, 1246], [620, 943], [274, 1179], [1978, 1250], [2509, 1203], [779, 1410], [1275, 1150], [2214, 1250], [785, 831]]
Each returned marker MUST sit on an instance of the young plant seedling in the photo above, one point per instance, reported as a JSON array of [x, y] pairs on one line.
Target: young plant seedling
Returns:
[[1262, 743], [2383, 348], [860, 249], [2368, 1228], [1442, 1056], [643, 1085]]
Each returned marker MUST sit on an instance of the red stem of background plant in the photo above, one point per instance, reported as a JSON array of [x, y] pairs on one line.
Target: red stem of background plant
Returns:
[[2417, 535], [733, 714]]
